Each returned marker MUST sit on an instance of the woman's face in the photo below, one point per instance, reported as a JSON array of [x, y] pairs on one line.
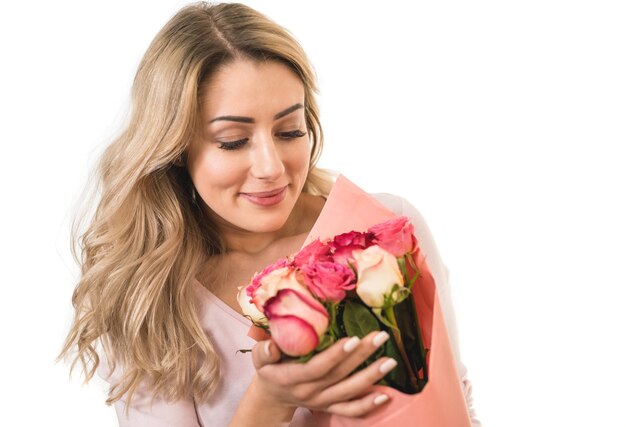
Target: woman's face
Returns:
[[250, 156]]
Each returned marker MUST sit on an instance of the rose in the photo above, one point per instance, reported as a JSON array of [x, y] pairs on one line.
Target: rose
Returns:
[[344, 244], [248, 308], [296, 321], [256, 279], [395, 236], [377, 274], [313, 252], [328, 281], [270, 283]]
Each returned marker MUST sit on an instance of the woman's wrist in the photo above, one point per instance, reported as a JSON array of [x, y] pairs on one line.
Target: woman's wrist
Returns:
[[258, 408]]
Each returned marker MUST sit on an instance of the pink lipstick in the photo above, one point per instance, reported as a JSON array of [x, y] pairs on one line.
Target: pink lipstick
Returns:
[[266, 198]]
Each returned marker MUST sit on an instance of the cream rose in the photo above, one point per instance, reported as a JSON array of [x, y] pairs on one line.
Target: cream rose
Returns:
[[377, 273], [248, 308], [274, 281]]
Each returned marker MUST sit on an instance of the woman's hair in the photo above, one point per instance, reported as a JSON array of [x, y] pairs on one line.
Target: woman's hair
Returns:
[[148, 236]]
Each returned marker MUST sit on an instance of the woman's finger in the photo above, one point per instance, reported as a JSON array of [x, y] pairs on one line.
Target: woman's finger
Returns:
[[347, 353], [348, 361], [265, 353], [359, 407], [356, 384]]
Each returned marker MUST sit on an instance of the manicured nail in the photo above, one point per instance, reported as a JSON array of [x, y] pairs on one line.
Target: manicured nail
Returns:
[[351, 344], [266, 347], [380, 338], [387, 366], [380, 399]]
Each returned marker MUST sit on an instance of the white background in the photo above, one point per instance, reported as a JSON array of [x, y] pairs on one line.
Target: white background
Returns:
[[502, 121]]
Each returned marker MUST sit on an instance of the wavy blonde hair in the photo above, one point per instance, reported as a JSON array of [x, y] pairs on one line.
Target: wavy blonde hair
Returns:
[[148, 237]]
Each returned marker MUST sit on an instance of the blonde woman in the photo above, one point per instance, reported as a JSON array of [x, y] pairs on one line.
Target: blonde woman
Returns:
[[213, 179]]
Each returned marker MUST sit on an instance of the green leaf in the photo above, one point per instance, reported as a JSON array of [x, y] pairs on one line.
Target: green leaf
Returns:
[[262, 323], [358, 320], [325, 342], [398, 377], [303, 359]]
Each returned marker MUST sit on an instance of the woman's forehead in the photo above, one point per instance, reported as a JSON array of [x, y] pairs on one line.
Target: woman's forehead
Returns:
[[244, 87]]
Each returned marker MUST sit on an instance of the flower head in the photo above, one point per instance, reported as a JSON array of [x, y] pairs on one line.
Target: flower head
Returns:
[[296, 321], [248, 308], [396, 236], [313, 252], [377, 274], [344, 244], [267, 284], [328, 281]]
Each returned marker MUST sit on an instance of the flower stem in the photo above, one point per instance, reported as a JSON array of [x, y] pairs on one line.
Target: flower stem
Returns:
[[391, 316], [419, 341]]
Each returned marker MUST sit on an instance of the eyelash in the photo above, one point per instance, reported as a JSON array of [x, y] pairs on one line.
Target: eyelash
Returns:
[[241, 142]]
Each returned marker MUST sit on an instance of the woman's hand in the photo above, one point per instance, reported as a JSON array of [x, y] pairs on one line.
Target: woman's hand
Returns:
[[323, 383]]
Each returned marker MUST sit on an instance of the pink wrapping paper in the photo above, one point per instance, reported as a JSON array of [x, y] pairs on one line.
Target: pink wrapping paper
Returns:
[[441, 402]]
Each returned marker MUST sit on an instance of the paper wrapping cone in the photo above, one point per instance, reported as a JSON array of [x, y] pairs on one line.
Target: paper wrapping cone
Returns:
[[441, 402]]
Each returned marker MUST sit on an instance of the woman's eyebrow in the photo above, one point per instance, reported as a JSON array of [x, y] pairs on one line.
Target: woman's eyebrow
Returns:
[[289, 110], [242, 119]]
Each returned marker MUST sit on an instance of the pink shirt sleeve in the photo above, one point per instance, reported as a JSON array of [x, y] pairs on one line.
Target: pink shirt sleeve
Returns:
[[157, 413]]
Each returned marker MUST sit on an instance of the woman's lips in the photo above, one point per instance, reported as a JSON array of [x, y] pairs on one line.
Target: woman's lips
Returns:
[[266, 198]]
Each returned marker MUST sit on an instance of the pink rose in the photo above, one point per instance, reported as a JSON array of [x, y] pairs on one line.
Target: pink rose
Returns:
[[328, 281], [256, 280], [272, 282], [313, 252], [377, 273], [296, 321], [344, 244], [396, 236]]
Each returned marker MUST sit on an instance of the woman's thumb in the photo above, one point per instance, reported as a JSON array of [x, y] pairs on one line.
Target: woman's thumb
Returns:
[[264, 353]]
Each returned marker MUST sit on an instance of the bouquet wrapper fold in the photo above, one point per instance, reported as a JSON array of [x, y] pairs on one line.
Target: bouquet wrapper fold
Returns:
[[441, 402]]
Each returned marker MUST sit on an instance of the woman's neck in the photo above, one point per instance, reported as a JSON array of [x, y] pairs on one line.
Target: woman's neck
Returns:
[[300, 221]]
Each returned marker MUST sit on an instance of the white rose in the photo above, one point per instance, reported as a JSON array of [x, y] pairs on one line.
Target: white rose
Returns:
[[248, 308], [377, 273]]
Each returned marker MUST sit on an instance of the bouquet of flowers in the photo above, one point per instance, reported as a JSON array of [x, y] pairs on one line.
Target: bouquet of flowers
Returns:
[[349, 285]]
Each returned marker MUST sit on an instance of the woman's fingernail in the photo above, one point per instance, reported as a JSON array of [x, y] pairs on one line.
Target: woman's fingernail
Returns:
[[380, 338], [266, 347], [387, 366], [380, 399], [351, 344]]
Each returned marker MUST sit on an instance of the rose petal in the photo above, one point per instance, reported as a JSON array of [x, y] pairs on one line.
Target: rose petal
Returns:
[[328, 281], [248, 308], [377, 274], [294, 336], [256, 279], [274, 281], [291, 302], [313, 252], [396, 235]]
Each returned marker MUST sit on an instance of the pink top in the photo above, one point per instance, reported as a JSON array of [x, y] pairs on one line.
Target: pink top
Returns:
[[227, 330]]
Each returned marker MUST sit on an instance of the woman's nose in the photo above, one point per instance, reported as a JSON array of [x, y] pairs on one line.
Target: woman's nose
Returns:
[[266, 161]]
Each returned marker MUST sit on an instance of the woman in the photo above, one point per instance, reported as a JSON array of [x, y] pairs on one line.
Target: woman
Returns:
[[213, 179]]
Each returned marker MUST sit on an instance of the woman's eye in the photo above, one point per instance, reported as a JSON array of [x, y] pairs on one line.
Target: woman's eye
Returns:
[[292, 134], [233, 145]]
